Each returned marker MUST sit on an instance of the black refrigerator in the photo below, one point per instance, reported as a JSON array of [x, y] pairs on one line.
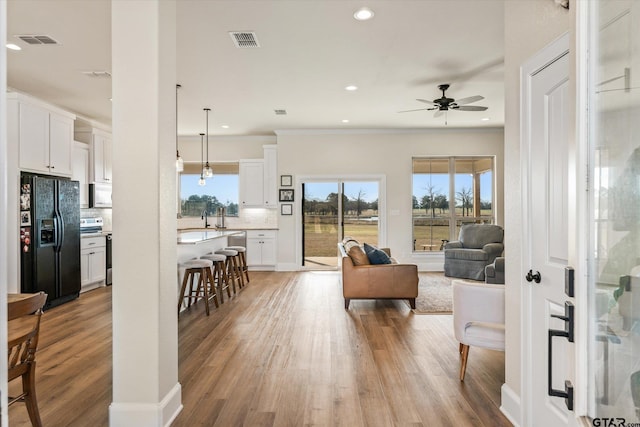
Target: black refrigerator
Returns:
[[50, 237]]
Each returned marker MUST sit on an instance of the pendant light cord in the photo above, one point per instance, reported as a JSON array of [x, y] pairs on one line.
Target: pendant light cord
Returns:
[[201, 154], [177, 151], [207, 110]]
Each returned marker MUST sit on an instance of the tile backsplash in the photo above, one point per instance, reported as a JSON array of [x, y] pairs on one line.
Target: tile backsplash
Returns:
[[106, 215], [249, 218]]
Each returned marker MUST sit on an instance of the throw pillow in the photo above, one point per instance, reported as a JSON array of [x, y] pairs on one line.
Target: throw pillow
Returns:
[[357, 255], [375, 255]]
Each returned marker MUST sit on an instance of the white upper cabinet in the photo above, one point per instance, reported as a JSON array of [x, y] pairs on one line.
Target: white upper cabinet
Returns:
[[45, 135], [258, 180], [101, 144], [270, 176], [101, 158], [251, 183], [80, 166]]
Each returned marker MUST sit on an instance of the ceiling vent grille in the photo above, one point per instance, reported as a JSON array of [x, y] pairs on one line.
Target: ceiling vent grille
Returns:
[[244, 39], [31, 39], [102, 74], [280, 112]]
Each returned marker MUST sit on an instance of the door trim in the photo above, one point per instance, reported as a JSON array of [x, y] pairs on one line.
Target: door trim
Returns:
[[382, 206], [541, 60]]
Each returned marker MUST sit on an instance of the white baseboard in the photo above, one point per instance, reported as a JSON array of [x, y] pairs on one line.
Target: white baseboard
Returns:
[[510, 405], [160, 414]]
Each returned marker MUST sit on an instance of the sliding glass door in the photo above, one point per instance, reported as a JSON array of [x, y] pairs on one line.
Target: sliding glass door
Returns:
[[332, 210]]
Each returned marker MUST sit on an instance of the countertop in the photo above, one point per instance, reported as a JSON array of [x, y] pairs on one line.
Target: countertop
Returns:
[[183, 230], [98, 234], [194, 237]]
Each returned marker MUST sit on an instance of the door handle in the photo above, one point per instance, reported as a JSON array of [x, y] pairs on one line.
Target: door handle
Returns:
[[533, 277], [567, 333]]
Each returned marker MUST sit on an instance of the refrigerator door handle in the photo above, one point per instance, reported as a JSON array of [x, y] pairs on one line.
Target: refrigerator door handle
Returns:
[[60, 230]]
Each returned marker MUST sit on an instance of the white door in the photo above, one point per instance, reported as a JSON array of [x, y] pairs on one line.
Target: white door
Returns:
[[546, 117]]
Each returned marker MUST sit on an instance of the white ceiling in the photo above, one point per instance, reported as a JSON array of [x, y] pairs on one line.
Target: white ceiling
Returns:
[[310, 50]]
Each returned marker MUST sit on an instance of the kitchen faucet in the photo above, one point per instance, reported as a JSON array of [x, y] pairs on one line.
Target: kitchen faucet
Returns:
[[205, 217]]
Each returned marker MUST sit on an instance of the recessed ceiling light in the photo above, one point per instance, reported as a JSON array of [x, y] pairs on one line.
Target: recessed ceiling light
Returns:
[[363, 14], [345, 120], [485, 119], [13, 46], [351, 88], [225, 126]]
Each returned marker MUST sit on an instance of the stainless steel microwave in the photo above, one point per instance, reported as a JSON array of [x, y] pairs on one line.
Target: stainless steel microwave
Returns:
[[99, 195]]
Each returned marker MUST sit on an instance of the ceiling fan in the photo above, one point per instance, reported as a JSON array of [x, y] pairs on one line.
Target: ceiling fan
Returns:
[[444, 104]]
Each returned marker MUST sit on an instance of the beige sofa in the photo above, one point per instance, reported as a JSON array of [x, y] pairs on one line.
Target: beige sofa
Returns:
[[380, 281]]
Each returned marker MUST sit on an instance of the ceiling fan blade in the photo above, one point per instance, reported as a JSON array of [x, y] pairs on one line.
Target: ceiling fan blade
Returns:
[[471, 108], [417, 109], [469, 100], [438, 113], [426, 101]]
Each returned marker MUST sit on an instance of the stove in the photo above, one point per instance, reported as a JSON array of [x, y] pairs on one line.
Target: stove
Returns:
[[91, 225]]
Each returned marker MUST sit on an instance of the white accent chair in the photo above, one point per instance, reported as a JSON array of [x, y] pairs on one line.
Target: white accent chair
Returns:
[[478, 317]]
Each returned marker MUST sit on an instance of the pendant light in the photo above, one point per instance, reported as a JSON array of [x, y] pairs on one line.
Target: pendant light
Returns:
[[201, 181], [207, 171], [179, 161]]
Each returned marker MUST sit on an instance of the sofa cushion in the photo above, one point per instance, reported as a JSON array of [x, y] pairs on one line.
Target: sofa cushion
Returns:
[[375, 255], [357, 255], [350, 244]]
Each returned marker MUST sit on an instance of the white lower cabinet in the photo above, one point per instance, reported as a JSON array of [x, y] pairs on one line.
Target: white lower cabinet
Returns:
[[261, 248], [93, 261]]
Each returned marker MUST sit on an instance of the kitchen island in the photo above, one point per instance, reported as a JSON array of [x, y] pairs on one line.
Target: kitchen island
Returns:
[[193, 244]]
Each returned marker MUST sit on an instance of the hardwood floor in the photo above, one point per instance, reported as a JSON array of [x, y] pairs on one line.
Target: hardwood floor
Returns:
[[283, 352]]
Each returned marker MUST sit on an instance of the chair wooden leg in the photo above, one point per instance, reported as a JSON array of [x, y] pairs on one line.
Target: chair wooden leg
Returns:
[[463, 360], [212, 288], [183, 288], [245, 269], [237, 271], [460, 348], [29, 388], [202, 285], [228, 267]]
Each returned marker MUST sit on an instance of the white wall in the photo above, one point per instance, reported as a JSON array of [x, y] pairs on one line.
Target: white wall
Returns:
[[529, 26], [378, 153]]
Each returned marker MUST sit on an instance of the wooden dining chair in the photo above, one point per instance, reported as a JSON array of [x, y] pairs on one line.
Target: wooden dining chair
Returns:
[[24, 327]]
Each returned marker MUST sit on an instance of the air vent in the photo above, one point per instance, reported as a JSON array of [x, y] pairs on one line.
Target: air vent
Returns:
[[102, 74], [30, 39], [280, 112], [244, 39]]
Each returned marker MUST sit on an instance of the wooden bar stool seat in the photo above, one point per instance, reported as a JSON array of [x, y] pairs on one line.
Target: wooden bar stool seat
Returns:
[[219, 273], [231, 267], [205, 288], [242, 254]]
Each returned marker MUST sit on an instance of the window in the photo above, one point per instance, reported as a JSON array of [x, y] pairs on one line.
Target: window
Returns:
[[447, 193], [220, 191]]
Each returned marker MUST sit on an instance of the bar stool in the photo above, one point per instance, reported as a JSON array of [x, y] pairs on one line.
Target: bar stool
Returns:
[[242, 257], [231, 267], [205, 288], [219, 273]]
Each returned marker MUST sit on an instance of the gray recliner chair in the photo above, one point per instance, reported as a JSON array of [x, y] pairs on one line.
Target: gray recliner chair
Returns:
[[494, 272], [477, 246]]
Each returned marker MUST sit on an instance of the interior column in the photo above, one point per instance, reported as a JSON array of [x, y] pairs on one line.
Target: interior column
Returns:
[[146, 391]]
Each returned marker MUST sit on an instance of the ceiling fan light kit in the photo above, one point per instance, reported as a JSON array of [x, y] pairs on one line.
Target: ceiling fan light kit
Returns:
[[443, 104]]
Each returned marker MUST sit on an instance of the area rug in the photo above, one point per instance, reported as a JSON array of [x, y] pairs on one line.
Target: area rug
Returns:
[[434, 294]]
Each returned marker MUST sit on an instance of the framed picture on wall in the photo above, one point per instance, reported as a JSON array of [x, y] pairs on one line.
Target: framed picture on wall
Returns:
[[286, 180], [286, 195], [286, 209]]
